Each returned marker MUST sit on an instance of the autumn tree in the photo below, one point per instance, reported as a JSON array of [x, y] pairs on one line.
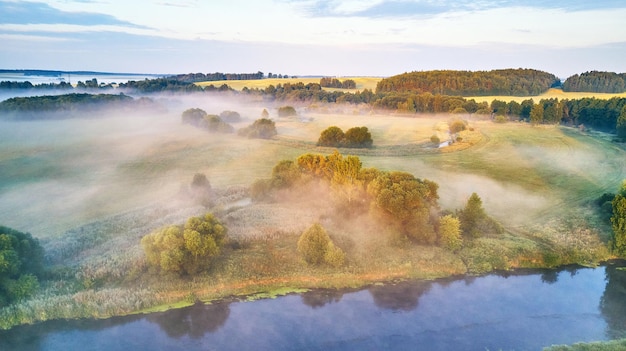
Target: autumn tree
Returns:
[[450, 233], [618, 221], [406, 203], [316, 247], [358, 137], [332, 136], [185, 250]]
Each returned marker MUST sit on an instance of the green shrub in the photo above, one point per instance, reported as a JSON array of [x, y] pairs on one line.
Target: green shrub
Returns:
[[316, 247], [435, 139]]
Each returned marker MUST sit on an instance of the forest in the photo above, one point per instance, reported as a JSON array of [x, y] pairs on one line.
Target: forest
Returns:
[[597, 82], [512, 82]]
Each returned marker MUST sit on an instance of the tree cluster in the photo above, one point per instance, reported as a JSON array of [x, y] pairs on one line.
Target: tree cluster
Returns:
[[287, 111], [160, 85], [21, 263], [514, 82], [213, 123], [327, 82], [187, 249], [262, 128], [356, 137], [9, 85], [596, 82], [405, 206]]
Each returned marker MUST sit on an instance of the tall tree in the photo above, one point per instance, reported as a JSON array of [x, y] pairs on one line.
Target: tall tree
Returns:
[[536, 114], [618, 221], [621, 124]]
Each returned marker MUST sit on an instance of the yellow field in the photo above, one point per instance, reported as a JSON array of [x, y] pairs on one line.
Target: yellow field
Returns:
[[361, 82], [550, 94]]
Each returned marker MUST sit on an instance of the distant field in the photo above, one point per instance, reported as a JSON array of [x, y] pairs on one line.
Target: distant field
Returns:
[[550, 94], [361, 82]]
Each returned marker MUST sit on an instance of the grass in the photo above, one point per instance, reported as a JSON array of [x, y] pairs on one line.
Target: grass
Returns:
[[112, 181], [362, 83], [614, 345]]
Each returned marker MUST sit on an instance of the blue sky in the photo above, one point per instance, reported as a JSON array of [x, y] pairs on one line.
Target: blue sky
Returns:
[[313, 37]]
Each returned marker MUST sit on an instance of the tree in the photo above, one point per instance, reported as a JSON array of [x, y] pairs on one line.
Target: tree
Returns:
[[621, 124], [332, 136], [195, 117], [457, 126], [287, 111], [230, 116], [471, 216], [358, 137], [474, 220], [536, 114], [186, 249], [265, 114], [21, 261], [316, 247], [618, 221], [261, 128], [450, 233], [405, 202]]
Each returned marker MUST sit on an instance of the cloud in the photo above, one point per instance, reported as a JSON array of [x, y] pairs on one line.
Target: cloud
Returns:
[[40, 13], [421, 8]]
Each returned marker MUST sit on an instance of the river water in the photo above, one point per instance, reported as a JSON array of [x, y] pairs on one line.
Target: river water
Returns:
[[519, 311]]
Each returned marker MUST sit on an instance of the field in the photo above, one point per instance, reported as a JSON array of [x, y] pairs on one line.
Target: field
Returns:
[[550, 94], [89, 189], [361, 82]]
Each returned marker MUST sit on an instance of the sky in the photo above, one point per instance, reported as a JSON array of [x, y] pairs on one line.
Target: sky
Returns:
[[313, 37]]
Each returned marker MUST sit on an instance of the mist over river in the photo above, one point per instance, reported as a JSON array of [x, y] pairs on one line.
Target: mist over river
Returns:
[[513, 311]]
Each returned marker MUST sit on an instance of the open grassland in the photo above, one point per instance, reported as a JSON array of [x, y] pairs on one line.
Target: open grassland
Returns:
[[90, 189], [362, 83], [550, 94]]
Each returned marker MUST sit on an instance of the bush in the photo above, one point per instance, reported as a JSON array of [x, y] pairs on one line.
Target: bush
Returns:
[[316, 247], [216, 125], [450, 233], [457, 126], [186, 249], [262, 128], [358, 137], [195, 117], [500, 119], [287, 111], [435, 139], [230, 116], [331, 136]]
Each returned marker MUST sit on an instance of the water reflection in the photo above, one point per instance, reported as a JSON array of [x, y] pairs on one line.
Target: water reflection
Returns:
[[613, 301], [194, 321], [320, 298], [402, 296]]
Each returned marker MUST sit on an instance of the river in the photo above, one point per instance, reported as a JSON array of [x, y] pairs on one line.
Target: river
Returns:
[[512, 311]]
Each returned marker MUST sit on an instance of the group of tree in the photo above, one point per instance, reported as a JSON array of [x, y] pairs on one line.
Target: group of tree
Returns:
[[21, 265], [159, 85], [12, 85], [213, 123], [328, 82], [185, 249], [402, 205], [596, 82], [287, 111], [356, 137], [514, 82]]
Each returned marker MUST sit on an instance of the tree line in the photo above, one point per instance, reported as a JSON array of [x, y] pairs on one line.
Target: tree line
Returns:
[[69, 105], [327, 82], [512, 82], [597, 82]]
